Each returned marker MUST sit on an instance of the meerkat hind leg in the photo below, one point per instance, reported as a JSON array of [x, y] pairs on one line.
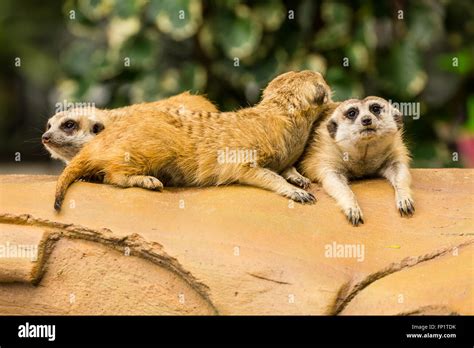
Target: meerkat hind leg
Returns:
[[269, 180], [143, 181], [294, 177]]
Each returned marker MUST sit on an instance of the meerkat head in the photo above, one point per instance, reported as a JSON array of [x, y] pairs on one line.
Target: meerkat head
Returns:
[[68, 131], [366, 120], [299, 91]]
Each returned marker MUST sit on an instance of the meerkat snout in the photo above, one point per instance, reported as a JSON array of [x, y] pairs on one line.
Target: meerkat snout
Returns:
[[366, 120], [45, 138]]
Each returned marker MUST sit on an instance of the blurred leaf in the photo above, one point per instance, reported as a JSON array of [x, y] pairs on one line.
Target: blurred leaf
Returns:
[[358, 56], [305, 61], [119, 30], [470, 114], [304, 14], [191, 77], [82, 59], [144, 88], [402, 72], [96, 9], [337, 17], [78, 24], [342, 85], [179, 19], [271, 13], [128, 8], [366, 33], [461, 62], [425, 23], [237, 33], [335, 12], [76, 59], [140, 51], [37, 66]]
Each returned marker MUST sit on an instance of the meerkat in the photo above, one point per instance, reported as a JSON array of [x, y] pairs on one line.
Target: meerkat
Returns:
[[361, 138], [180, 147], [68, 131]]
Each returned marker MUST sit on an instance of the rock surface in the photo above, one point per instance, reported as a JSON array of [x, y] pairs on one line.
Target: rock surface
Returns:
[[236, 250]]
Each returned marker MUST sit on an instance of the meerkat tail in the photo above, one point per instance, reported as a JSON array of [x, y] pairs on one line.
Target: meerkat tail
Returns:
[[75, 170]]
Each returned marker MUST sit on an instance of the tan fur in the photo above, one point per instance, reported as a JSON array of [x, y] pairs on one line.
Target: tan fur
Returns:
[[65, 145], [342, 149], [179, 147]]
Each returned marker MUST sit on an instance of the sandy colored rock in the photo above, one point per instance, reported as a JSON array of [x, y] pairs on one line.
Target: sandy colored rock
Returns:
[[87, 278], [240, 250], [441, 286]]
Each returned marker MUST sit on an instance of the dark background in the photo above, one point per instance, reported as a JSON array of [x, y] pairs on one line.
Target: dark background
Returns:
[[80, 55]]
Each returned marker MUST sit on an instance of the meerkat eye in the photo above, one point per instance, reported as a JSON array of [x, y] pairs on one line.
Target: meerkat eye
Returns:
[[69, 125], [375, 109], [97, 128], [352, 113], [48, 126]]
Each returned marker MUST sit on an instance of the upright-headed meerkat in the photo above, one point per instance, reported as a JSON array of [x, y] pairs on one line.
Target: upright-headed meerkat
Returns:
[[360, 138], [184, 148], [68, 131]]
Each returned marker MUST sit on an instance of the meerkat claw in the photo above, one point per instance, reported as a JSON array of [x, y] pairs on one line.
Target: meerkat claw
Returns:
[[406, 207], [302, 196], [354, 215]]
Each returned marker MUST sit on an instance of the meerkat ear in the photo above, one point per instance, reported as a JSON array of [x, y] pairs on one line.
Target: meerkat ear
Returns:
[[97, 128], [398, 117], [320, 95], [332, 128]]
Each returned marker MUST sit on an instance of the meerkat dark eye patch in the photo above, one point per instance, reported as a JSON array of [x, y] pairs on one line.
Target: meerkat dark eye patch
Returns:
[[97, 128], [332, 128], [69, 126], [352, 113], [48, 126], [376, 109]]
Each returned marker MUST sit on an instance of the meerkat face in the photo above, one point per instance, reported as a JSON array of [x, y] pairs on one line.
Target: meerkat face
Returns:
[[68, 131], [357, 120], [303, 90]]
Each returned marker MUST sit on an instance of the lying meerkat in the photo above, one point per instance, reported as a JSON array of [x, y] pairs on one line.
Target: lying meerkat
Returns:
[[68, 131], [182, 148], [361, 138]]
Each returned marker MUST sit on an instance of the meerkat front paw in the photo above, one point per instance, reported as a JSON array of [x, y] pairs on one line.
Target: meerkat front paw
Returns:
[[354, 215], [299, 181], [146, 182], [406, 206], [300, 196], [294, 177]]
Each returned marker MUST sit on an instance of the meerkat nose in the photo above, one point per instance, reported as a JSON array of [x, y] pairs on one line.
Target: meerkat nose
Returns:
[[366, 120], [45, 138]]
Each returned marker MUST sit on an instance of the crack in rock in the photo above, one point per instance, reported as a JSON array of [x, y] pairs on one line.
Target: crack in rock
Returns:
[[138, 246], [349, 290], [431, 310], [268, 279]]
